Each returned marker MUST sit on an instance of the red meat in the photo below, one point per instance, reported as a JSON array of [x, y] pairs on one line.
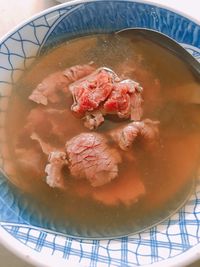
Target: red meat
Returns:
[[126, 135], [103, 93], [48, 90], [90, 157], [91, 91], [57, 160], [125, 100]]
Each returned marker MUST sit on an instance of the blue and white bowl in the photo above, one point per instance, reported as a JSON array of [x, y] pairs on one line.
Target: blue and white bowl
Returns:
[[174, 242]]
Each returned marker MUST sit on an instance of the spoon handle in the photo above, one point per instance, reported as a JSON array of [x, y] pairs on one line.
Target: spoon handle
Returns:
[[166, 42]]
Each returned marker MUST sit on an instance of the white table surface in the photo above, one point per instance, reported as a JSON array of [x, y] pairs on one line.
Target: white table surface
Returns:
[[13, 12]]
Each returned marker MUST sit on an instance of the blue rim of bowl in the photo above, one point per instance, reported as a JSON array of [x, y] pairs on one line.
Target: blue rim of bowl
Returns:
[[75, 2]]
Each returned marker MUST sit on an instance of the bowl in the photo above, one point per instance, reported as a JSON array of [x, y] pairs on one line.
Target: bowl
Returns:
[[175, 241]]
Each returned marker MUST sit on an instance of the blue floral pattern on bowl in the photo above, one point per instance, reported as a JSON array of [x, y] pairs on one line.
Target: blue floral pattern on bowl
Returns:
[[172, 237]]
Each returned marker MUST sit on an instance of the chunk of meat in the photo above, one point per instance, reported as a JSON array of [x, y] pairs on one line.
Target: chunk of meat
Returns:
[[90, 157], [93, 120], [138, 70], [125, 100], [36, 119], [52, 126], [46, 148], [126, 135], [91, 91], [46, 130], [31, 161], [77, 72], [48, 90], [57, 160], [45, 122], [103, 92]]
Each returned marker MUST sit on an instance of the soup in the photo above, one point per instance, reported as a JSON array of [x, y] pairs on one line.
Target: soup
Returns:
[[97, 166]]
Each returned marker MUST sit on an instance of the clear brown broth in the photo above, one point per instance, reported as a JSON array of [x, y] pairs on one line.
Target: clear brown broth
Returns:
[[165, 173]]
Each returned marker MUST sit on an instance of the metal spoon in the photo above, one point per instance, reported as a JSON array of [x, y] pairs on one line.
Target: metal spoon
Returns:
[[166, 42]]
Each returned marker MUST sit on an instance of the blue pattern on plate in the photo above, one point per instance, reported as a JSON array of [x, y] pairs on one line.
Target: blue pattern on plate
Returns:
[[17, 52], [171, 238]]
